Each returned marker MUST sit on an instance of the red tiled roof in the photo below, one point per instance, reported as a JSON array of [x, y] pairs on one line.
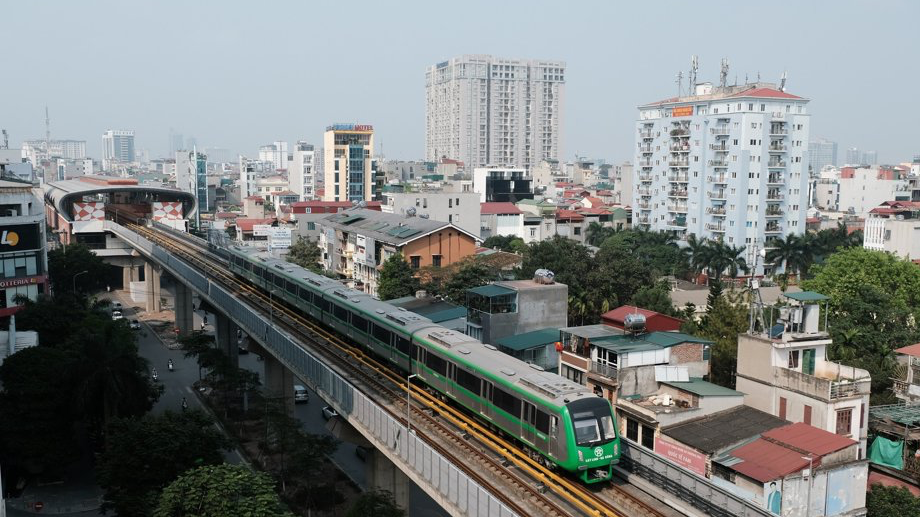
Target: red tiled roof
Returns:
[[325, 204], [284, 193], [592, 211], [911, 350], [569, 214], [812, 220], [227, 215], [808, 438], [880, 478], [765, 461], [256, 198], [245, 224], [770, 93], [604, 192], [595, 201], [107, 180], [499, 208]]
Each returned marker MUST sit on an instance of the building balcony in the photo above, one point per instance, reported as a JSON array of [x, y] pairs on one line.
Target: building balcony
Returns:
[[775, 196], [677, 193], [772, 228], [679, 163], [776, 164], [680, 148], [645, 163], [778, 131], [777, 148], [645, 177], [679, 133], [677, 208], [606, 370], [717, 179], [644, 192], [774, 213], [678, 178], [647, 133], [720, 130], [715, 227], [832, 382], [721, 147], [645, 148], [644, 206], [644, 220], [719, 194], [716, 210], [776, 179], [680, 223], [718, 163]]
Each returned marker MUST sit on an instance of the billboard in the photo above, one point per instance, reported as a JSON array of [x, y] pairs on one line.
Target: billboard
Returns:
[[682, 111], [682, 455], [279, 237], [20, 237], [261, 230]]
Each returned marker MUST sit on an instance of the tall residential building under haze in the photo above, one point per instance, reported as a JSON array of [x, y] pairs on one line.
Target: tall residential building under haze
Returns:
[[302, 173], [854, 157], [485, 110], [118, 146], [349, 171], [821, 153], [726, 163]]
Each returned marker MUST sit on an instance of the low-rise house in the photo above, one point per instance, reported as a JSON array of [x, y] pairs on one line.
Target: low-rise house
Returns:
[[500, 219], [535, 347], [654, 321], [514, 307], [907, 383]]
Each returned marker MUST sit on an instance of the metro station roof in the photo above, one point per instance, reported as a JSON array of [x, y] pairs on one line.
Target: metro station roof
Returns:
[[61, 194]]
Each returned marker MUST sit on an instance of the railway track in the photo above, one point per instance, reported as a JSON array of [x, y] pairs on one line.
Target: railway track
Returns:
[[501, 459]]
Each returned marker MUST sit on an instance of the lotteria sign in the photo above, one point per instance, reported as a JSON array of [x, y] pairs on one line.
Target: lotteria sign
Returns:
[[350, 127], [20, 237]]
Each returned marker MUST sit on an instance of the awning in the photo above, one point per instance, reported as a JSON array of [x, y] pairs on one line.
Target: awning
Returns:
[[806, 296], [529, 340], [491, 290]]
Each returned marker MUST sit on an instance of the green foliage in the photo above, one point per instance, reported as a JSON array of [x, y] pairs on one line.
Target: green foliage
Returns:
[[143, 455], [883, 501], [221, 491], [306, 254], [656, 298], [201, 346], [596, 233], [36, 427], [470, 274], [658, 250], [714, 257], [725, 320], [378, 503], [66, 262], [396, 279], [569, 260], [299, 453], [874, 308], [508, 243]]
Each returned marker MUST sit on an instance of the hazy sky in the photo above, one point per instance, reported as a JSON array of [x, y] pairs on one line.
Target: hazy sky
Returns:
[[240, 74]]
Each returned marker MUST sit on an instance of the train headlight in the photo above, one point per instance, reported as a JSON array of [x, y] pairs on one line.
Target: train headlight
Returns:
[[581, 455], [616, 449]]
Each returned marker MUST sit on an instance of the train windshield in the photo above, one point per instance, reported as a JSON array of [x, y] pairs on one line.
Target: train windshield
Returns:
[[593, 422]]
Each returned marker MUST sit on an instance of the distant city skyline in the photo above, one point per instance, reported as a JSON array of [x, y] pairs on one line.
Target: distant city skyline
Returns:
[[609, 70]]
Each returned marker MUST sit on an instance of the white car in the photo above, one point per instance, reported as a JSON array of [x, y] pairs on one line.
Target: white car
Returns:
[[116, 306], [135, 325], [116, 315]]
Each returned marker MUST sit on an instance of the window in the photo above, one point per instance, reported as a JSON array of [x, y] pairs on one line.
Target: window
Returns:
[[404, 346], [450, 203], [306, 295], [844, 420], [782, 407], [572, 374], [506, 401], [648, 437], [793, 359], [632, 429], [340, 312], [577, 230], [415, 261], [359, 323], [806, 417], [437, 364], [467, 380], [436, 260], [381, 334]]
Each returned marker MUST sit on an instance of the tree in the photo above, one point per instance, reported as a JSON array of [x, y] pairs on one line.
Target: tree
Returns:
[[697, 254], [53, 318], [596, 233], [789, 253], [502, 242], [726, 319], [36, 427], [379, 503], [396, 279], [470, 274], [569, 260], [656, 298], [221, 491], [143, 455], [201, 346], [658, 250], [882, 501], [297, 452], [306, 254], [65, 263]]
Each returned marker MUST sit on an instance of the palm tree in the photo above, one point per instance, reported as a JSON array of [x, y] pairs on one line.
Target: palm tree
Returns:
[[790, 254], [723, 258], [596, 233], [697, 252]]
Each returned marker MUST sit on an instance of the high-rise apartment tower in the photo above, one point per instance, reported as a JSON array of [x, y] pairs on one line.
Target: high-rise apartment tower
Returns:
[[349, 169]]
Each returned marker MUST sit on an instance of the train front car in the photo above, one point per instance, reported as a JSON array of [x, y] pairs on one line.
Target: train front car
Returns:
[[594, 437]]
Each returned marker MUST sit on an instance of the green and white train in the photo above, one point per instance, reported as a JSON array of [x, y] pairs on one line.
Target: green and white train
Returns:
[[560, 423]]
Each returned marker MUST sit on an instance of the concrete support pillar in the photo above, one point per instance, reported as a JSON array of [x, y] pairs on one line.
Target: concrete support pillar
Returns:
[[279, 381], [225, 330], [382, 474], [126, 277], [183, 308], [152, 278]]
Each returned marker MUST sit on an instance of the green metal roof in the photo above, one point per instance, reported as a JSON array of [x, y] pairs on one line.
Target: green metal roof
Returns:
[[491, 290], [531, 339], [806, 296], [698, 386], [446, 314], [652, 341], [899, 413]]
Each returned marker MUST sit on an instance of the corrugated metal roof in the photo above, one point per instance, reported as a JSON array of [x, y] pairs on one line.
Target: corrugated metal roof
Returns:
[[806, 296], [766, 461], [808, 438], [531, 339], [491, 290], [713, 433], [913, 350]]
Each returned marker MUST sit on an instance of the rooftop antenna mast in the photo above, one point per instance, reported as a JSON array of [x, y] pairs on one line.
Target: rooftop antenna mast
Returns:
[[782, 82], [694, 66], [723, 74], [680, 80], [6, 140], [756, 298], [47, 131]]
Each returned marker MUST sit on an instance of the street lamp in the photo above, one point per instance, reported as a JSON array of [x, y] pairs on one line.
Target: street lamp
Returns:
[[409, 402], [75, 280], [811, 476]]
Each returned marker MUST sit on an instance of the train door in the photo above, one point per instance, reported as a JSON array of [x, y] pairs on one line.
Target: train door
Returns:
[[528, 422], [450, 378], [486, 409]]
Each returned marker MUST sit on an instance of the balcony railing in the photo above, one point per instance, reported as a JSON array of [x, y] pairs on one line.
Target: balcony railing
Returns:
[[680, 132], [717, 179], [644, 220], [720, 130], [715, 227], [776, 131], [679, 163], [645, 206], [678, 223], [647, 134], [774, 197], [607, 370], [777, 148], [644, 192], [645, 163], [716, 210], [680, 148], [645, 177], [825, 385], [776, 164], [677, 208], [677, 193], [680, 178], [719, 147], [716, 195], [772, 228], [645, 148], [718, 163], [776, 180], [778, 115], [775, 213]]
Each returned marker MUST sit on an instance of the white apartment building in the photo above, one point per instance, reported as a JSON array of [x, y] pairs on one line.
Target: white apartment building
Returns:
[[789, 375], [484, 110], [36, 150], [301, 173], [894, 227], [349, 169], [864, 188], [727, 163], [458, 208], [117, 146], [276, 153]]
